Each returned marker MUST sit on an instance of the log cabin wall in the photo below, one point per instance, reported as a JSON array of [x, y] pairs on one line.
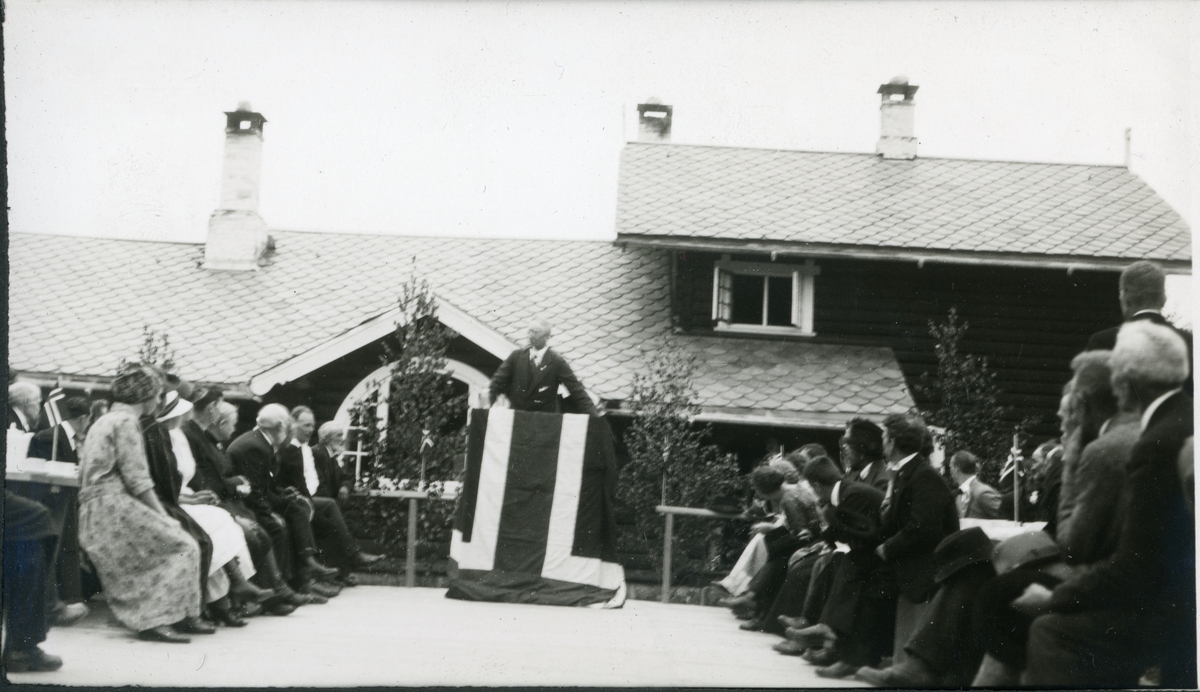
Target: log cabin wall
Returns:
[[1028, 323]]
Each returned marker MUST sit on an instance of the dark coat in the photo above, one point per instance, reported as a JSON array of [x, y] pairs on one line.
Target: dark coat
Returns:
[[329, 471], [214, 472], [253, 457], [1153, 567], [1106, 339], [920, 514], [42, 445], [855, 519], [984, 501], [530, 389], [877, 476]]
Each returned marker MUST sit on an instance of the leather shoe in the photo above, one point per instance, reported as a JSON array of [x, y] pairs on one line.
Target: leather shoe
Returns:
[[194, 625], [746, 600], [795, 623], [248, 610], [823, 656], [315, 570], [347, 580], [162, 633], [31, 661], [914, 675], [317, 588], [809, 636], [67, 614], [362, 559], [281, 609], [755, 625], [837, 670], [788, 647]]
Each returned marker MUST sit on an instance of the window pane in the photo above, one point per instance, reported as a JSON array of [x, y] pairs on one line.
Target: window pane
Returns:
[[779, 301], [747, 299]]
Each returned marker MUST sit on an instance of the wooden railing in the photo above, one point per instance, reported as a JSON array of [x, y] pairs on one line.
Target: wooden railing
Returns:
[[669, 534], [413, 497]]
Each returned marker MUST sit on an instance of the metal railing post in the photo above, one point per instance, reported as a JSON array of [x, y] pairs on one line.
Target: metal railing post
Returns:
[[668, 538], [410, 558]]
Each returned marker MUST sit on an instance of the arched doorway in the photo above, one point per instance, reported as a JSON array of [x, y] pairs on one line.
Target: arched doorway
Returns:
[[476, 381]]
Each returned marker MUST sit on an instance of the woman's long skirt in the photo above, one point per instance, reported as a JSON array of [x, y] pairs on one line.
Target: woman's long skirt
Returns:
[[228, 541], [149, 566]]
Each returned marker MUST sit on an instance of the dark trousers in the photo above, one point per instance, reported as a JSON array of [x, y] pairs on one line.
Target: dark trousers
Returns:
[[791, 594], [258, 542], [1003, 630], [26, 588], [946, 637], [861, 609], [338, 547], [281, 542]]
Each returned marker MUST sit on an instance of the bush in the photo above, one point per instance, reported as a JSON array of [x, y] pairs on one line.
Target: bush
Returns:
[[670, 464]]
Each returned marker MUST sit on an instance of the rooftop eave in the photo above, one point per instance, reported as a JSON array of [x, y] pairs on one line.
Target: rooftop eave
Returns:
[[90, 383], [920, 256]]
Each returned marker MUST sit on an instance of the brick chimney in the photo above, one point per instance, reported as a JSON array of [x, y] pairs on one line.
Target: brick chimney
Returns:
[[654, 122], [896, 111], [237, 235]]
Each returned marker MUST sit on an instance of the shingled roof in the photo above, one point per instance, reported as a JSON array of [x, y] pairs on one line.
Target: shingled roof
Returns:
[[78, 306], [945, 207]]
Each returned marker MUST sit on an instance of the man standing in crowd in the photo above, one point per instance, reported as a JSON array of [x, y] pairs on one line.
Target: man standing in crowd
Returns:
[[1143, 293], [917, 513], [530, 377], [973, 498], [77, 415], [298, 471], [253, 455], [1105, 625]]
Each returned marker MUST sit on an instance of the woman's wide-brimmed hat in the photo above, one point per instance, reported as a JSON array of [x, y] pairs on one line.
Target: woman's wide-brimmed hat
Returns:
[[175, 406], [961, 549]]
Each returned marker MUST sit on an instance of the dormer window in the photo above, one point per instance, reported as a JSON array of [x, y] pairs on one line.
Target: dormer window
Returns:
[[763, 297]]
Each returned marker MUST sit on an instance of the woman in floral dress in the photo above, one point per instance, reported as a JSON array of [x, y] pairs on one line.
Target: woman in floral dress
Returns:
[[148, 565]]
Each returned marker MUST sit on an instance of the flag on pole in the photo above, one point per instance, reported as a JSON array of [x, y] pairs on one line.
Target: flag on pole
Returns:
[[535, 520], [51, 406]]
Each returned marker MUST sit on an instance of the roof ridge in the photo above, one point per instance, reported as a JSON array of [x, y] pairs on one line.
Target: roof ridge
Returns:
[[872, 155], [595, 241]]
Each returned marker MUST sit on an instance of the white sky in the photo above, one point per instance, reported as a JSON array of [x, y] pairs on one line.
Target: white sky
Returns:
[[507, 119]]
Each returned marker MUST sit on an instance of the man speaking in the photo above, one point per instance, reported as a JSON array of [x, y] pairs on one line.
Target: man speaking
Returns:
[[530, 377]]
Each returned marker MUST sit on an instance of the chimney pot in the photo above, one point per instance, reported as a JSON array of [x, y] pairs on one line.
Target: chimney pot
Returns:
[[896, 117], [654, 122]]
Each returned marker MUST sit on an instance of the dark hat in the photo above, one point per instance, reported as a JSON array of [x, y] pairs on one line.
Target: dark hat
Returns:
[[1024, 550], [136, 383], [961, 549], [865, 437]]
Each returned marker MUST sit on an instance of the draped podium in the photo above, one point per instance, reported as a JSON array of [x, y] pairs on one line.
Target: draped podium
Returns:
[[535, 518]]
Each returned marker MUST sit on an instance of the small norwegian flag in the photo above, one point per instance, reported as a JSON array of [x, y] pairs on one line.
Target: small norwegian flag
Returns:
[[51, 406]]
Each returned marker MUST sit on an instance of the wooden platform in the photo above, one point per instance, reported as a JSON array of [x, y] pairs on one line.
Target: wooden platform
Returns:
[[379, 635]]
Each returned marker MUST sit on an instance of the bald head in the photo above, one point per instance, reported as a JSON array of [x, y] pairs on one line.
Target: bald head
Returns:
[[539, 333]]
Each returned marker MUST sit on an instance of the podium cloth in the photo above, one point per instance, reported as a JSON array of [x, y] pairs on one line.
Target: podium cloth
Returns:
[[535, 520]]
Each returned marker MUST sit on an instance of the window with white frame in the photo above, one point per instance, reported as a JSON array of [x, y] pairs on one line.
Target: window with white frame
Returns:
[[764, 297]]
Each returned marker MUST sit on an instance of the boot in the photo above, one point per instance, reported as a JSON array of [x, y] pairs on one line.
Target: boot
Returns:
[[223, 614], [241, 587], [315, 570]]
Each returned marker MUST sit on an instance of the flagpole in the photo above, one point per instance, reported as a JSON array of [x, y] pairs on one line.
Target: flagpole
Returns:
[[1016, 451]]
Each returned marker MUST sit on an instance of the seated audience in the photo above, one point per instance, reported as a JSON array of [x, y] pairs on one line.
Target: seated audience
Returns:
[[862, 453], [331, 481], [298, 471], [29, 537], [1106, 625], [149, 566], [77, 414], [254, 456], [974, 499]]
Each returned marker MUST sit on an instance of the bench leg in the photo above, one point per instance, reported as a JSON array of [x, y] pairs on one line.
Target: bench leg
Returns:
[[668, 539], [410, 558]]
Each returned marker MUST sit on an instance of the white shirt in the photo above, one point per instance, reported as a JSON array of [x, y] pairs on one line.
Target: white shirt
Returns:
[[862, 475], [21, 416], [965, 486], [184, 461], [1148, 310], [900, 464], [536, 355], [310, 468], [835, 497], [70, 433], [1155, 404]]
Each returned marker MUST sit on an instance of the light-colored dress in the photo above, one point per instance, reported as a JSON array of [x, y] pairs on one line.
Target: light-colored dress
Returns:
[[228, 539], [148, 565]]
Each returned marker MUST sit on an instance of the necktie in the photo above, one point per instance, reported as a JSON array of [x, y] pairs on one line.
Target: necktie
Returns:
[[887, 497]]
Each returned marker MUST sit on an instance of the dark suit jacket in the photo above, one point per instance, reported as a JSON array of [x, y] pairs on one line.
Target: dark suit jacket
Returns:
[[1106, 339], [877, 476], [213, 469], [42, 445], [528, 389], [1154, 566], [329, 471], [921, 513], [855, 519], [253, 457]]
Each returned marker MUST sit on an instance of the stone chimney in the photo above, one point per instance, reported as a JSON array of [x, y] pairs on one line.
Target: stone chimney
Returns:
[[654, 122], [896, 139], [237, 235]]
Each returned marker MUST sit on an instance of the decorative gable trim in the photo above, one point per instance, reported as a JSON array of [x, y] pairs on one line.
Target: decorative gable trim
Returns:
[[370, 331]]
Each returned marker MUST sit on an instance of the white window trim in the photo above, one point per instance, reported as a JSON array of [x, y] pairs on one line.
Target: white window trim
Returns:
[[803, 284]]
